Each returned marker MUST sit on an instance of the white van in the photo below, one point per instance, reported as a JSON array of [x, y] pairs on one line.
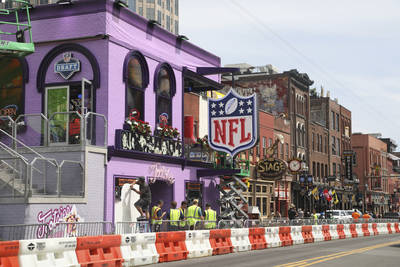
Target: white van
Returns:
[[342, 216]]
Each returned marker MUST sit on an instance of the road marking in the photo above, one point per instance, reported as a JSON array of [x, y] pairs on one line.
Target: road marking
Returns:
[[315, 260]]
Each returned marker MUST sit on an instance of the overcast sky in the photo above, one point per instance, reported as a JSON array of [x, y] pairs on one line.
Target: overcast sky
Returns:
[[352, 48]]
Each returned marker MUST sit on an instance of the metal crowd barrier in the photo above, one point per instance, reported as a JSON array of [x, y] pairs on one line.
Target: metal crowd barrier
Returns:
[[74, 229], [24, 231]]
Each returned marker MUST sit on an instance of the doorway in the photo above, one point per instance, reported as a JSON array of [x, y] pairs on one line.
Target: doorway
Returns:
[[161, 190]]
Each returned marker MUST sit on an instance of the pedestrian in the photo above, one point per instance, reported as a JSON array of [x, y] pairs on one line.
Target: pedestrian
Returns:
[[292, 213], [174, 215], [183, 211], [194, 214], [210, 218], [142, 205], [301, 214], [156, 216], [315, 216]]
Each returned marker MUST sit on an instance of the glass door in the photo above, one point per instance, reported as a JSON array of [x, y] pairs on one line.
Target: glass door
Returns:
[[57, 107]]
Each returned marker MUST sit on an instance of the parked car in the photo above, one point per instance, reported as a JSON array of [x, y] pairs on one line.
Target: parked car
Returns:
[[392, 215], [342, 216]]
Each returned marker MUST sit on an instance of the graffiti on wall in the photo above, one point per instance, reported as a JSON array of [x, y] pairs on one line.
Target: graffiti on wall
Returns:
[[54, 217]]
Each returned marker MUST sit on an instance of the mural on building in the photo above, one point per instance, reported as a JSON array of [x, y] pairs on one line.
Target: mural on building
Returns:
[[54, 217]]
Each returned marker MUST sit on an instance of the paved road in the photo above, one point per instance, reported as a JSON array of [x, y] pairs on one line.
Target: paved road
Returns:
[[381, 251]]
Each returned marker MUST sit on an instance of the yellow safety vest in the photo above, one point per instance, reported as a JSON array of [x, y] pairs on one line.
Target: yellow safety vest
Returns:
[[174, 215], [154, 211], [182, 224], [211, 218], [192, 215]]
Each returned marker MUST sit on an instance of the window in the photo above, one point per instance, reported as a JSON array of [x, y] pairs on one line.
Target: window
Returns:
[[269, 142], [318, 170], [282, 150], [313, 141], [150, 13], [150, 1], [11, 89], [258, 150], [132, 5], [326, 145], [137, 80], [313, 169], [264, 189], [258, 189], [141, 11], [333, 120], [168, 4], [177, 7], [195, 126], [337, 122], [338, 147], [303, 136], [159, 2], [322, 171], [264, 206], [287, 151], [176, 27], [320, 143], [264, 146], [258, 204], [334, 169], [326, 170], [333, 145], [251, 188], [165, 91], [168, 23], [159, 16], [250, 201], [355, 158]]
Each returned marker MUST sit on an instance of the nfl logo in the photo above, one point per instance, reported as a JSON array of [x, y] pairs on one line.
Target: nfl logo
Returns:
[[233, 123], [67, 57]]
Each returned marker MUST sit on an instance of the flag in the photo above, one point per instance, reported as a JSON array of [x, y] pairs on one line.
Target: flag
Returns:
[[335, 197], [328, 195], [315, 193]]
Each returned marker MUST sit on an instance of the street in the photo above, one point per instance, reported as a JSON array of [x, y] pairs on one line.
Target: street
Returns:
[[372, 251]]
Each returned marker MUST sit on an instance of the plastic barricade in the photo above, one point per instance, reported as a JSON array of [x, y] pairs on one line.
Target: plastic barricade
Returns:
[[272, 237], [48, 252], [317, 233], [382, 229], [353, 230], [340, 231], [389, 228], [359, 230], [397, 228], [240, 239], [220, 241], [333, 231], [257, 238], [99, 251], [306, 231], [9, 253], [375, 229], [365, 229], [346, 230], [139, 249], [326, 232], [285, 236], [296, 235], [171, 246], [198, 243]]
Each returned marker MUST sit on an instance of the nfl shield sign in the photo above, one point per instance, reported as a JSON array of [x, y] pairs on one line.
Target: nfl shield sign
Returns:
[[67, 66], [233, 123]]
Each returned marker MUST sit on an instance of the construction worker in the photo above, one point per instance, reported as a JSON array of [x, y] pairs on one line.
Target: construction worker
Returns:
[[194, 214], [183, 210], [355, 216], [156, 216], [174, 216], [210, 218], [315, 216], [366, 217]]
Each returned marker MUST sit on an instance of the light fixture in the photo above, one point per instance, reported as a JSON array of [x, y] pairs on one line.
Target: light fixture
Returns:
[[153, 22], [183, 37], [121, 3], [64, 2], [20, 35]]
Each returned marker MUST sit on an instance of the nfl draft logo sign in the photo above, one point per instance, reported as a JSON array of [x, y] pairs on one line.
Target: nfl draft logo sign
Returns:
[[67, 66], [233, 123]]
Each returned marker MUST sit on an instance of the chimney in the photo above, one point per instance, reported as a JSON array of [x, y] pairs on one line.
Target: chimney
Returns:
[[328, 94], [322, 91]]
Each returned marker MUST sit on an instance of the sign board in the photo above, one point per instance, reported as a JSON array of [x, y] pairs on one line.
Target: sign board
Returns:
[[232, 123], [67, 66], [348, 163], [271, 168]]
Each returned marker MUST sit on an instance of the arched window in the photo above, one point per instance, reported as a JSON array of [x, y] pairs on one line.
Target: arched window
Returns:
[[303, 136], [165, 88], [136, 76]]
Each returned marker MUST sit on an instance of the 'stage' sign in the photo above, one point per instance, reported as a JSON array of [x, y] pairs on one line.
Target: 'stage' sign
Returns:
[[271, 168], [233, 125]]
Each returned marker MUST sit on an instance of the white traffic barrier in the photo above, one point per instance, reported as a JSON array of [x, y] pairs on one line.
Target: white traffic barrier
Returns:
[[333, 231], [383, 229], [272, 237], [317, 233], [370, 229], [198, 243], [240, 239], [55, 252], [359, 230], [347, 231], [139, 249], [297, 236]]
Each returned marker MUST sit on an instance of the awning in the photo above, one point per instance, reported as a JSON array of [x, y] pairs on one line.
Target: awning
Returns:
[[216, 70], [196, 83]]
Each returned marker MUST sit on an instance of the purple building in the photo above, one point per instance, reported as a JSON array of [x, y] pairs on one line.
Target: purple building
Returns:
[[99, 78]]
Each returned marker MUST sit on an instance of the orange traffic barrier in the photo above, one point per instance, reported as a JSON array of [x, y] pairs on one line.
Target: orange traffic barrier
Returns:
[[326, 232], [284, 235], [389, 227], [306, 231], [353, 230], [397, 228], [9, 253], [375, 229], [99, 251], [340, 231], [171, 246], [220, 241], [365, 229], [257, 238]]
